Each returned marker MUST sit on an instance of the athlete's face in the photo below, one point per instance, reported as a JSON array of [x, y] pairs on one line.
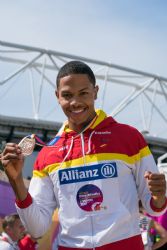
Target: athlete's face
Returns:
[[76, 95]]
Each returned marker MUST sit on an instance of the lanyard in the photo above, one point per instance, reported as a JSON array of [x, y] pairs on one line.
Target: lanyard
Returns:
[[27, 144]]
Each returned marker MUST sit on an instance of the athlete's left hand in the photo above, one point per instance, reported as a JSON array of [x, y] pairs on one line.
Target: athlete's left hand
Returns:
[[157, 186]]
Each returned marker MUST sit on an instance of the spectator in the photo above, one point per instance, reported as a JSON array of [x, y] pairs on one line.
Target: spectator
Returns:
[[13, 231], [162, 220], [149, 228]]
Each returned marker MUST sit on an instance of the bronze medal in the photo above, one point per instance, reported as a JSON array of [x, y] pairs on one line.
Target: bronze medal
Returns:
[[27, 145]]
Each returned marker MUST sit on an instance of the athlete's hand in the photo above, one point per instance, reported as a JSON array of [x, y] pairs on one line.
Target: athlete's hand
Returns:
[[12, 161], [157, 186]]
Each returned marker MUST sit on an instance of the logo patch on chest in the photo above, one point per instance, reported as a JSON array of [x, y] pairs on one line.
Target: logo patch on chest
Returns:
[[89, 198], [88, 173]]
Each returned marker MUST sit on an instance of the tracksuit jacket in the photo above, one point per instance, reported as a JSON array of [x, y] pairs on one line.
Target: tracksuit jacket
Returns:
[[95, 179]]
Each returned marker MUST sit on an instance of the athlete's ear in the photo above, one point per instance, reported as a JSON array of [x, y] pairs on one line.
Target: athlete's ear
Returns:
[[57, 95], [96, 89]]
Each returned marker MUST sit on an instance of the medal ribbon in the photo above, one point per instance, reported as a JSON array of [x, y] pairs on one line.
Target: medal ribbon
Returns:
[[28, 143], [41, 143]]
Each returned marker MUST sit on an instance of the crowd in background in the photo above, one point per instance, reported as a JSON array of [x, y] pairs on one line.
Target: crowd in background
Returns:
[[153, 230], [25, 241], [13, 235]]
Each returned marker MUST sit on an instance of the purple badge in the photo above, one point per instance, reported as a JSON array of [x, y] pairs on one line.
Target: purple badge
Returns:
[[89, 198]]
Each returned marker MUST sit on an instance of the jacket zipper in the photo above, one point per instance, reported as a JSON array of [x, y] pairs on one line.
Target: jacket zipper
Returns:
[[84, 162]]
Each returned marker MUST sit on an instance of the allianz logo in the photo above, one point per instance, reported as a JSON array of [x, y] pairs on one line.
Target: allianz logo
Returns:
[[108, 170], [94, 172]]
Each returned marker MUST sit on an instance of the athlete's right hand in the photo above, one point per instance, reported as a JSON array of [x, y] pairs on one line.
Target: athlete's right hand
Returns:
[[12, 161]]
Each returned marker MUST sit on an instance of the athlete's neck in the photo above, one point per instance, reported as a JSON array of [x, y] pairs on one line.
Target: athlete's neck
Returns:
[[83, 126]]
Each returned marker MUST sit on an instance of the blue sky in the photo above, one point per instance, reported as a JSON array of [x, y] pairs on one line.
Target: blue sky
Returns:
[[128, 32]]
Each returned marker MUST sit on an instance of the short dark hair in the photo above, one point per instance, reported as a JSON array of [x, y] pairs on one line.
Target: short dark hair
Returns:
[[75, 67], [9, 220]]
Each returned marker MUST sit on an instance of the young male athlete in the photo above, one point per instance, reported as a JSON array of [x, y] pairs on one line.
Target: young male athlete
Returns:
[[95, 173]]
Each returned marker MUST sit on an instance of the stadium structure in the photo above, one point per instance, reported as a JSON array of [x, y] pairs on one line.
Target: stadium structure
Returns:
[[28, 104]]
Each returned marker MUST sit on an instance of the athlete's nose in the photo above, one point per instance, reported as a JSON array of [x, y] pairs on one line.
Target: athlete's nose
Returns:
[[75, 101]]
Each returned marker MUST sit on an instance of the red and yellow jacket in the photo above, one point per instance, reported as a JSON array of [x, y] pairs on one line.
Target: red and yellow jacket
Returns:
[[96, 179]]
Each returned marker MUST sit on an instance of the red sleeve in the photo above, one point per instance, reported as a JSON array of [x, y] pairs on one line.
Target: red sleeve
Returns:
[[25, 203]]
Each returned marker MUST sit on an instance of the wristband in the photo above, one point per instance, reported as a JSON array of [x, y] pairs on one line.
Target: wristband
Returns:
[[25, 203], [156, 209]]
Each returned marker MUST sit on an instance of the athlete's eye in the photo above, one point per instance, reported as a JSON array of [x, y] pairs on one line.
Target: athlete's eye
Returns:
[[84, 93], [67, 95]]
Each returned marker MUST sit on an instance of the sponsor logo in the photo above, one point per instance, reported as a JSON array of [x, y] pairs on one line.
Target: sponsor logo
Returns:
[[108, 170], [102, 132], [88, 173], [63, 148], [89, 198]]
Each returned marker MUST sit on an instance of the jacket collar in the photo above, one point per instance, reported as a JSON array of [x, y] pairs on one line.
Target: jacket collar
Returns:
[[100, 116]]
